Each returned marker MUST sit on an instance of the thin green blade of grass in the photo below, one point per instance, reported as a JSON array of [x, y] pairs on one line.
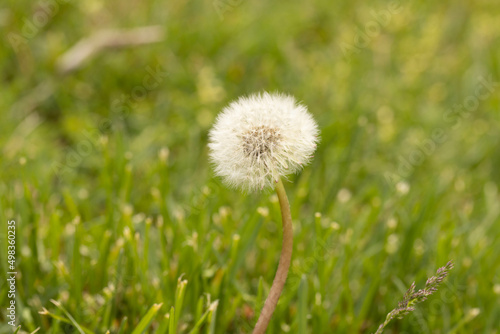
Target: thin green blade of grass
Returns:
[[77, 284], [179, 299], [171, 325], [212, 317], [251, 230], [123, 324], [113, 298], [209, 312], [259, 301], [302, 307], [163, 327], [146, 320], [72, 320], [145, 251], [101, 273], [469, 316], [199, 307], [54, 316]]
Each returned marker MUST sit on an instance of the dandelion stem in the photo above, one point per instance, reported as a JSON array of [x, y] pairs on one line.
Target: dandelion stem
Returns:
[[284, 263]]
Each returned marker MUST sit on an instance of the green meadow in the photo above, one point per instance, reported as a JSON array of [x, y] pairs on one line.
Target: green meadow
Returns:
[[122, 226]]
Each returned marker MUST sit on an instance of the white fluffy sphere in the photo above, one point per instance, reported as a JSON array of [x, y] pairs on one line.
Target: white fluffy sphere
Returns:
[[260, 138]]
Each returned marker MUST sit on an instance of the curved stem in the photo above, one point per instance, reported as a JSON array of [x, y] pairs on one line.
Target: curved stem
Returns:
[[283, 266]]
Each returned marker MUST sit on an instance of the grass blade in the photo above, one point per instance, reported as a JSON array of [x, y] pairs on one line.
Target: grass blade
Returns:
[[302, 307], [211, 309], [123, 323], [179, 299], [171, 325], [72, 320], [146, 320]]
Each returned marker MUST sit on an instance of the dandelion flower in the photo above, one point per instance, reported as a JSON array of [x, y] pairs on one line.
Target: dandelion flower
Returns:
[[255, 142], [260, 138]]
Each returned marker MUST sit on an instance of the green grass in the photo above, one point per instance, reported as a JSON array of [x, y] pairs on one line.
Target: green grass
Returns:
[[127, 238]]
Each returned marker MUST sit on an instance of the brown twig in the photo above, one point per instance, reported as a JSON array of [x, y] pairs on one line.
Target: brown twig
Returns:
[[106, 39]]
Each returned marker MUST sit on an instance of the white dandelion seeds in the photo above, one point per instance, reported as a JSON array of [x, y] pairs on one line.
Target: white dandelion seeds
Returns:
[[260, 138]]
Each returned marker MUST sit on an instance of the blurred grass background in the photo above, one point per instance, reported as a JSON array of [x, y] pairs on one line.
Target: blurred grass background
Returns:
[[117, 209]]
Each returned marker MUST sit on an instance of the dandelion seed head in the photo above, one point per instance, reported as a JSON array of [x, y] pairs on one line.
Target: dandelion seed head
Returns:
[[260, 138]]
